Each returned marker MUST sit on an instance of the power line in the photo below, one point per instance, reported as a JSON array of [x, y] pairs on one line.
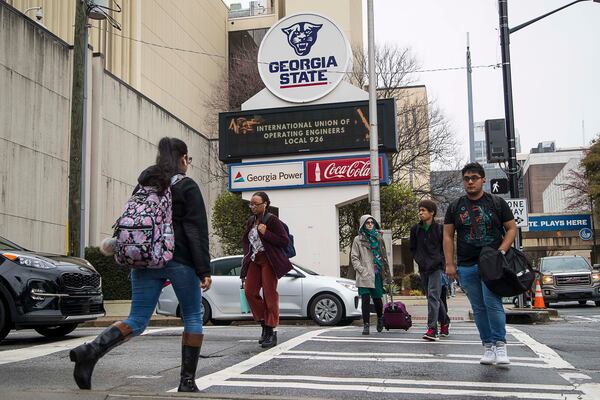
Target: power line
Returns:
[[204, 53]]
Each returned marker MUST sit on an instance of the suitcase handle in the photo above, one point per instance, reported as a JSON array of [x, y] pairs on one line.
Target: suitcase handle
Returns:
[[390, 293]]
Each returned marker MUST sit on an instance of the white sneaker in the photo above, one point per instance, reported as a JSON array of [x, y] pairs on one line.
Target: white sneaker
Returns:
[[502, 360], [489, 356]]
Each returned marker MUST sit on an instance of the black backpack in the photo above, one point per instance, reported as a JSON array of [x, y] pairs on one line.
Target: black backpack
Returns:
[[290, 250], [505, 275]]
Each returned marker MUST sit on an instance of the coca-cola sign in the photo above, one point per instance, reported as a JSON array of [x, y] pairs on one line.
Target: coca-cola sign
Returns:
[[357, 169]]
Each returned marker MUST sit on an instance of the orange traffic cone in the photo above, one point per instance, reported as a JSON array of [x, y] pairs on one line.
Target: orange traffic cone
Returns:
[[538, 302]]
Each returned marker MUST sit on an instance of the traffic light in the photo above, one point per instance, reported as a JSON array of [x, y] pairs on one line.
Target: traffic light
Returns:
[[496, 142]]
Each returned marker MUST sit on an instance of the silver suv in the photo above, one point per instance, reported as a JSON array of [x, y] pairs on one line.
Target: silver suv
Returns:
[[569, 278]]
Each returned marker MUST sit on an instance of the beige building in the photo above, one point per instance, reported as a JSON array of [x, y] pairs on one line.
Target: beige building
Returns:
[[173, 51]]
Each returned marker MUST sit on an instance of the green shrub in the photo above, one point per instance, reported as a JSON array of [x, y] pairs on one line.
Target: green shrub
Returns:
[[115, 278], [412, 282]]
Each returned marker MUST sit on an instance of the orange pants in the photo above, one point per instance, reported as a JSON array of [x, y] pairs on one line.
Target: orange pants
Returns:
[[261, 275]]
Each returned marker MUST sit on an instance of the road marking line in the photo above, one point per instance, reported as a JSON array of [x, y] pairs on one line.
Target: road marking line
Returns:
[[402, 359], [410, 382], [16, 355], [400, 341], [236, 370], [336, 353], [388, 389], [543, 351]]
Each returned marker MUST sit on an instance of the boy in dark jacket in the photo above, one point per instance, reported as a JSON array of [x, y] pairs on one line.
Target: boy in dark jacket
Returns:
[[426, 245]]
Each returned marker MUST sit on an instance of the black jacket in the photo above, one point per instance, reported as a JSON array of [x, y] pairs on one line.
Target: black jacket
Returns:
[[190, 225], [427, 247]]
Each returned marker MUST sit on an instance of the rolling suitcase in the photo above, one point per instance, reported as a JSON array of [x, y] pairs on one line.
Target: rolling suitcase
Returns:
[[395, 315]]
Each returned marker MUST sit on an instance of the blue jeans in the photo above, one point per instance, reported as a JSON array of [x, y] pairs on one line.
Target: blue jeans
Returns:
[[488, 310], [146, 285]]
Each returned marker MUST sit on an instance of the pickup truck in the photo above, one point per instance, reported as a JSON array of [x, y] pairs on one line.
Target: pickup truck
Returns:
[[569, 278]]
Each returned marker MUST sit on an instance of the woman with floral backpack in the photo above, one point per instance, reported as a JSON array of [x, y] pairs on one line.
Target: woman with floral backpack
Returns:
[[187, 267]]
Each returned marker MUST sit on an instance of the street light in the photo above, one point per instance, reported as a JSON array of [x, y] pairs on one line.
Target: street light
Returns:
[[505, 31]]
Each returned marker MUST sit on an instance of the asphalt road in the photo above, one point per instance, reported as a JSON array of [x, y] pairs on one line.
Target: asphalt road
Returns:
[[551, 361]]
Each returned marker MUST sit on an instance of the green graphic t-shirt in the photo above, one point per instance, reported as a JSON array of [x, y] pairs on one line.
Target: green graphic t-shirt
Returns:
[[478, 224]]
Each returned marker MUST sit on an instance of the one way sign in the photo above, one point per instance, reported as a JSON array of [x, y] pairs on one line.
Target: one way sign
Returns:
[[519, 210], [499, 186]]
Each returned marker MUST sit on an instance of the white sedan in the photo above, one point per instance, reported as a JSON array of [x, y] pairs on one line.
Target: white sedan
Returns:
[[302, 294]]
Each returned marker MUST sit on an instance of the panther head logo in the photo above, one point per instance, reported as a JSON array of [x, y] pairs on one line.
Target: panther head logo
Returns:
[[301, 36]]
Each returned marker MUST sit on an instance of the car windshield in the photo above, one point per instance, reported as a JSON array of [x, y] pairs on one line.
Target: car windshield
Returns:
[[6, 244], [565, 264], [305, 270]]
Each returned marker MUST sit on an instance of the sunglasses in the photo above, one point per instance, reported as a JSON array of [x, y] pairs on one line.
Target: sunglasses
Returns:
[[370, 222], [252, 205]]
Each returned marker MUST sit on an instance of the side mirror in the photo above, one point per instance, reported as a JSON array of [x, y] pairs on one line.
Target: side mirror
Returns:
[[294, 274], [596, 267]]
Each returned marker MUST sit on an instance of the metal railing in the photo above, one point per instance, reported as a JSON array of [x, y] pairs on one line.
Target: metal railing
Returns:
[[254, 11]]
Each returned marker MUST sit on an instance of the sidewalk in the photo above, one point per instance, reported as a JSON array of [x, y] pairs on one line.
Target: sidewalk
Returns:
[[416, 305]]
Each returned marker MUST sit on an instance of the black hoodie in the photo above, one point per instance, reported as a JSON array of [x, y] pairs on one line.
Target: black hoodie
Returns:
[[189, 224], [427, 247]]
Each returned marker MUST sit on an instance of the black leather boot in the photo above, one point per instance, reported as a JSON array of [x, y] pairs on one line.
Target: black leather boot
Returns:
[[270, 338], [380, 324], [87, 355], [191, 343], [365, 329], [263, 334]]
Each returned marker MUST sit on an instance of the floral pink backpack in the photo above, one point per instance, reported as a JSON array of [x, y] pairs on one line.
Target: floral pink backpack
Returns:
[[144, 232]]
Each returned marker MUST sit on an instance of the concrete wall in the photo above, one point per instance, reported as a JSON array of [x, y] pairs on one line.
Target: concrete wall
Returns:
[[127, 129], [144, 52], [123, 130], [35, 82]]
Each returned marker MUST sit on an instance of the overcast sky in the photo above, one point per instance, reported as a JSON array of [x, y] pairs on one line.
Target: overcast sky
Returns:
[[555, 62]]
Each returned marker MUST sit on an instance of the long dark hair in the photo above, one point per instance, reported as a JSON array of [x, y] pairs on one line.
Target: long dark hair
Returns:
[[170, 150]]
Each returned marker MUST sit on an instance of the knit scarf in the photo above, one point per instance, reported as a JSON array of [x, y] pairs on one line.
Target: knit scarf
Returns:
[[373, 238]]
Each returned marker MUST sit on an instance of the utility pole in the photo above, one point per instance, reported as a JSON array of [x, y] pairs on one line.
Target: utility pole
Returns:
[[470, 104], [76, 221], [373, 136]]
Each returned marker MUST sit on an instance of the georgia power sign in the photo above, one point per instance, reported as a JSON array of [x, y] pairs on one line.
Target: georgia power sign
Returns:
[[303, 57]]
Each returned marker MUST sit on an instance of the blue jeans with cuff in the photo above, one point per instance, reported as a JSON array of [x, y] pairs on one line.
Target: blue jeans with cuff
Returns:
[[488, 310], [146, 285]]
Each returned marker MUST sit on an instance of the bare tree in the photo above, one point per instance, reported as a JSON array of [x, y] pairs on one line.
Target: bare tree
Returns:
[[424, 134], [576, 189]]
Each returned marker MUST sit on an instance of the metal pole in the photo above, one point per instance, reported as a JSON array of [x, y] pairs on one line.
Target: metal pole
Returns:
[[508, 113], [470, 104], [82, 230], [374, 138]]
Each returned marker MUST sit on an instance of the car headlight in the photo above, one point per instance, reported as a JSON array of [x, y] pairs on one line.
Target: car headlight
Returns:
[[595, 277], [29, 261], [547, 279], [348, 285]]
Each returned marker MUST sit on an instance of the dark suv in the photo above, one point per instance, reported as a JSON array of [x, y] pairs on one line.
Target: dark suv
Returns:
[[569, 278], [49, 293]]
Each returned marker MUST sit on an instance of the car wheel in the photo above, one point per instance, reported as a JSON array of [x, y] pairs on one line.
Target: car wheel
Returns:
[[206, 312], [582, 302], [326, 310], [221, 322], [56, 330], [5, 324]]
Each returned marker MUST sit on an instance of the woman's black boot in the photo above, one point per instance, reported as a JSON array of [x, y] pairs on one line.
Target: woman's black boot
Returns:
[[270, 338], [87, 355], [263, 334], [365, 329], [191, 343], [379, 324]]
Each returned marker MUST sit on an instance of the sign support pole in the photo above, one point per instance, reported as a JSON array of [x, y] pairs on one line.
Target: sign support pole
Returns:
[[373, 137]]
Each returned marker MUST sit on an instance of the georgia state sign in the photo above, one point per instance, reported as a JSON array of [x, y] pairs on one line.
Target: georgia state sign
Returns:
[[303, 57]]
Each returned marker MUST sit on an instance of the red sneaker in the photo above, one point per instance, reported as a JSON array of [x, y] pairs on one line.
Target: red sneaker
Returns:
[[444, 330], [431, 335]]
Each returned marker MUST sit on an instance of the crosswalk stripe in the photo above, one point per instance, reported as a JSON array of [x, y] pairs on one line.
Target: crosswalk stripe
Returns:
[[430, 356], [407, 390], [401, 341], [400, 359], [408, 382], [16, 355]]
